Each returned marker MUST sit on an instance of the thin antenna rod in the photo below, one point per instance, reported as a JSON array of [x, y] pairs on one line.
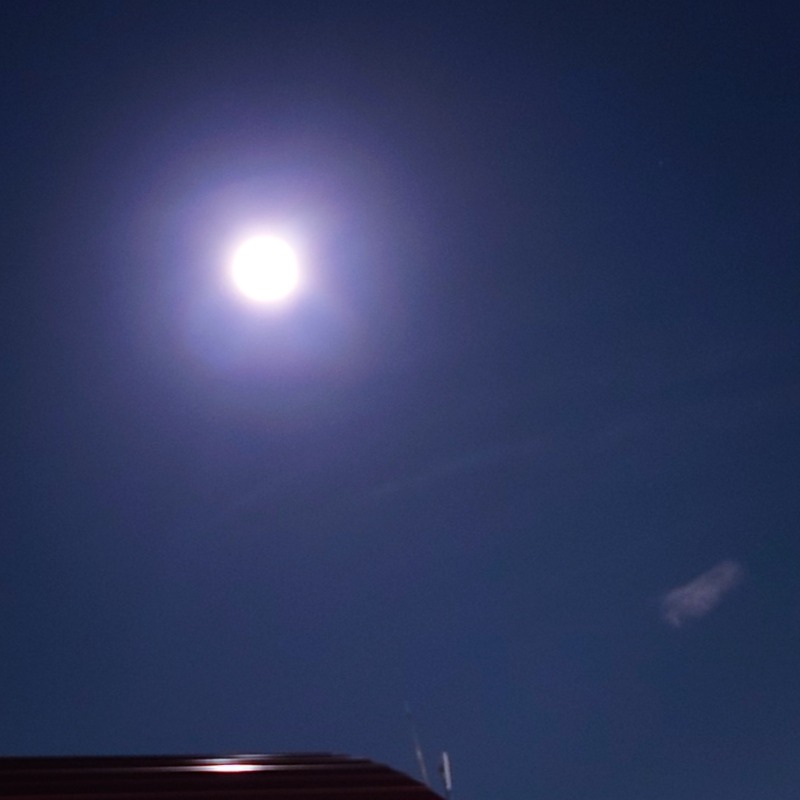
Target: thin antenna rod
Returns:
[[417, 746], [447, 775]]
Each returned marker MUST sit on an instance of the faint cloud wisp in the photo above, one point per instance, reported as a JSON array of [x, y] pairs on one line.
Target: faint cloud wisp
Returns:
[[696, 598]]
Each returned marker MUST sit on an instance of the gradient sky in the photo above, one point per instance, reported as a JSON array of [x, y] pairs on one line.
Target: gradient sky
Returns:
[[524, 454]]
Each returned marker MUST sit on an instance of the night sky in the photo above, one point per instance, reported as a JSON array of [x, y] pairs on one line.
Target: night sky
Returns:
[[523, 452]]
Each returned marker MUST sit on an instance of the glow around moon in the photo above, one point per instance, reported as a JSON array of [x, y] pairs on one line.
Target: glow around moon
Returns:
[[265, 269]]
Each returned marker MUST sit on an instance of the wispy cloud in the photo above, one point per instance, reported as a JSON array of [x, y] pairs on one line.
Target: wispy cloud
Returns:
[[462, 465], [696, 598]]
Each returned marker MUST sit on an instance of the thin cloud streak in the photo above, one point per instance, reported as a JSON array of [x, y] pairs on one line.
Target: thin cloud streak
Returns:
[[700, 596], [462, 465]]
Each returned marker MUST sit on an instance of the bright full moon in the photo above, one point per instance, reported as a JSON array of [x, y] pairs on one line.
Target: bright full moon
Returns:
[[265, 269]]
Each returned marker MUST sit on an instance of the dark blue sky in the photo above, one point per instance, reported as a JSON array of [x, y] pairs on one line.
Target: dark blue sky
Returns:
[[547, 373]]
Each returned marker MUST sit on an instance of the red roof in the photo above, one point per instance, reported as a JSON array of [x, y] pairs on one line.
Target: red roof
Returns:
[[316, 776]]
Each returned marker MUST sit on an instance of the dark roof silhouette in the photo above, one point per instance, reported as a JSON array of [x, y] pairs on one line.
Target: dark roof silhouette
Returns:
[[315, 776]]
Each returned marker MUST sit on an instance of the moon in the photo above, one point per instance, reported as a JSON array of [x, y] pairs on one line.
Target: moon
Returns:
[[265, 269]]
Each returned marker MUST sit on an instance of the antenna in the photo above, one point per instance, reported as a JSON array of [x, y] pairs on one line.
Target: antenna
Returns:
[[447, 775], [417, 746]]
